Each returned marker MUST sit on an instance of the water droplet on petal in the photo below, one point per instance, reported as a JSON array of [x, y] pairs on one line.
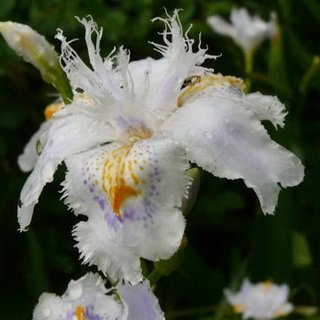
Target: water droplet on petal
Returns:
[[38, 147], [75, 291], [46, 312], [134, 139]]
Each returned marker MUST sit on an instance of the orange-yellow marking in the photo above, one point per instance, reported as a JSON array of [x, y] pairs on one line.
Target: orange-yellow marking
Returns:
[[114, 184], [266, 286], [51, 109], [119, 179], [238, 308], [79, 313], [209, 80]]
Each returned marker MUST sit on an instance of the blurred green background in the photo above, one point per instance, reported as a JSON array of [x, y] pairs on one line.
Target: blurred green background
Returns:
[[228, 237]]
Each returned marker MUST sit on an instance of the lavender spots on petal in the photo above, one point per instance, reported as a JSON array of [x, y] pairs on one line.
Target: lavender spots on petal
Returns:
[[129, 215], [113, 220], [100, 202]]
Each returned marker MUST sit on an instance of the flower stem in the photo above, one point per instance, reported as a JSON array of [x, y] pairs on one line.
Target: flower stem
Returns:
[[309, 74], [248, 67]]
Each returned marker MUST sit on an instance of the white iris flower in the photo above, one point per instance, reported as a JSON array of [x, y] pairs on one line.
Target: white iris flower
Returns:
[[88, 299], [247, 31], [127, 140], [262, 301]]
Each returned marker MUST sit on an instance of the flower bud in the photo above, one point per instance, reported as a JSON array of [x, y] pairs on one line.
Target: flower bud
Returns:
[[35, 49]]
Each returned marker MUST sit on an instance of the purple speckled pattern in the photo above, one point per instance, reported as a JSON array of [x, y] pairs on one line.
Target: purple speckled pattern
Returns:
[[139, 211]]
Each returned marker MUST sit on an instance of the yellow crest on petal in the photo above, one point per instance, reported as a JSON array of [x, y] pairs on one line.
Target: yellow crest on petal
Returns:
[[199, 84]]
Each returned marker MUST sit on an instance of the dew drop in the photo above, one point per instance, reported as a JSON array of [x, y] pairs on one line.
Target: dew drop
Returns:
[[134, 139], [75, 291], [46, 312], [39, 147]]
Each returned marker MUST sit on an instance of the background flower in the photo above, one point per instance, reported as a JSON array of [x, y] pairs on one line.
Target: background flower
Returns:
[[88, 299], [260, 301], [246, 31]]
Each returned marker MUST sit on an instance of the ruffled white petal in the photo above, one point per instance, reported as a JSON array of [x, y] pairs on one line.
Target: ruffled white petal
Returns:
[[28, 159], [130, 194], [267, 108], [66, 135], [99, 83], [85, 298], [180, 62], [140, 302], [230, 142]]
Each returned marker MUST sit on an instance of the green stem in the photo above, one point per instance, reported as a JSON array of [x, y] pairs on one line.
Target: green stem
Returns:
[[248, 67], [310, 73], [154, 276], [64, 88]]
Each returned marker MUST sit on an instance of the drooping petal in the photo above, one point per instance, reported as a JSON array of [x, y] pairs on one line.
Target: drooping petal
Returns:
[[227, 140], [140, 302], [66, 135], [28, 159], [85, 298], [131, 194]]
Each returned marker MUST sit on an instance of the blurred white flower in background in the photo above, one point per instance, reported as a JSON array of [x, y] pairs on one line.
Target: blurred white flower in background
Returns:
[[247, 31], [262, 301]]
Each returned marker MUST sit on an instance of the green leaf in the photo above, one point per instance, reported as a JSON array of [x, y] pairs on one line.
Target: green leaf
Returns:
[[301, 252]]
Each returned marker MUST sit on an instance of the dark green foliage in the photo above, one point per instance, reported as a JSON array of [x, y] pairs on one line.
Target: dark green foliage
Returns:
[[228, 237]]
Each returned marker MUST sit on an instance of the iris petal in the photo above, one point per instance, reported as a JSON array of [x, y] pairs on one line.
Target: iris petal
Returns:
[[228, 141], [67, 135], [131, 194]]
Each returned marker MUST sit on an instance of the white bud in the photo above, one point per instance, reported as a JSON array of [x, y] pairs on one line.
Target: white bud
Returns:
[[29, 44]]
